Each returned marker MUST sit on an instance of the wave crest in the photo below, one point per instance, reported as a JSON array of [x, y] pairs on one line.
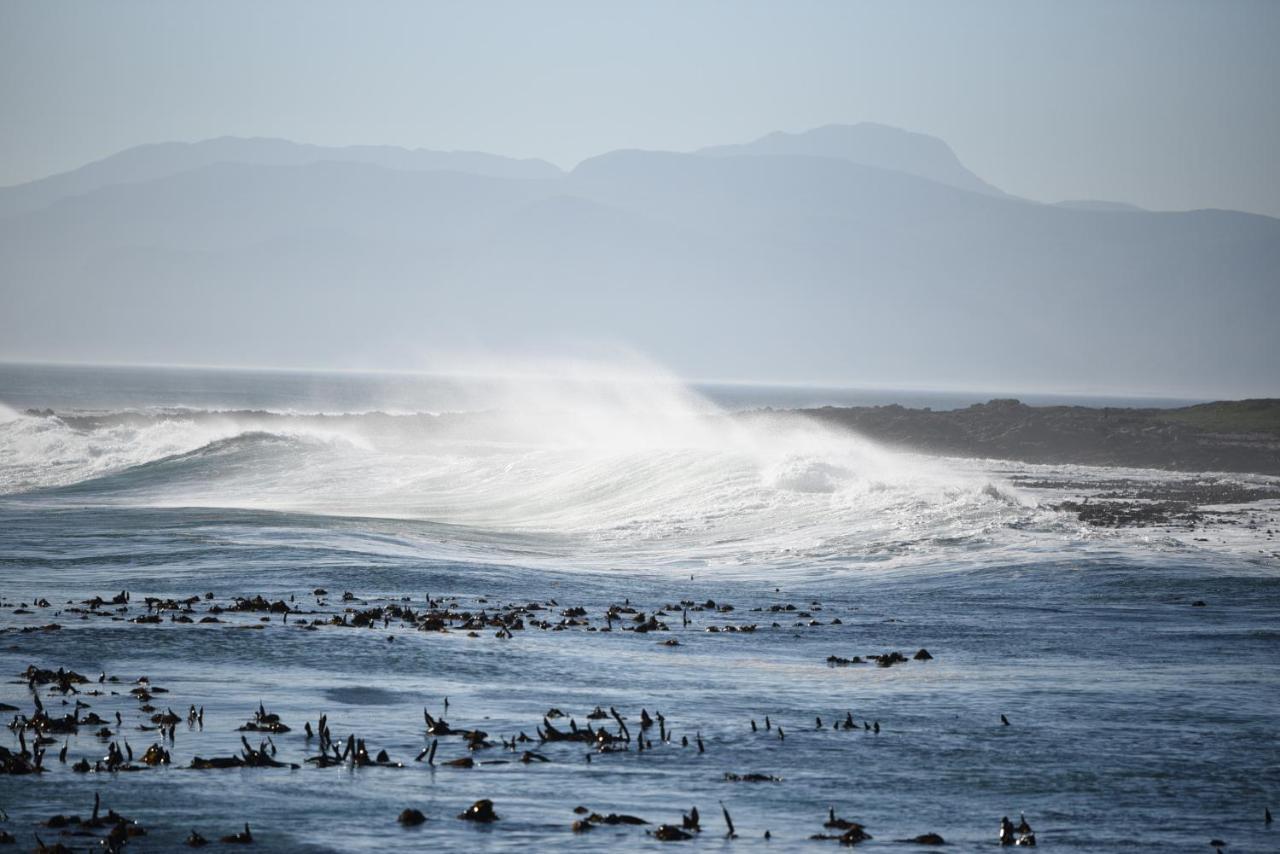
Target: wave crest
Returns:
[[636, 470]]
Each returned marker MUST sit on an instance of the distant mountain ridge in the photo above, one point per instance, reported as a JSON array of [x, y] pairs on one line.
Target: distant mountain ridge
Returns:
[[869, 144], [866, 144], [149, 162], [768, 266]]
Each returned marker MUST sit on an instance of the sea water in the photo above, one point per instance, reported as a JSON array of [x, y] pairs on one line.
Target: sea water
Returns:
[[1136, 717]]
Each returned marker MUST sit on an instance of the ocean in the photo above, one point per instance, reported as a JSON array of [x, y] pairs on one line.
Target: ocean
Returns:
[[1136, 668]]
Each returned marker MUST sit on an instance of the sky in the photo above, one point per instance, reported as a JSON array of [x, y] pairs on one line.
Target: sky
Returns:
[[1170, 105]]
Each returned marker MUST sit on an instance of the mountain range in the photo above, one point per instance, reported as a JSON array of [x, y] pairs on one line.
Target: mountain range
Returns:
[[858, 254]]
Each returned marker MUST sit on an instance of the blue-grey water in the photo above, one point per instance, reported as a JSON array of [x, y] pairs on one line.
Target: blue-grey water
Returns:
[[1137, 719], [112, 387]]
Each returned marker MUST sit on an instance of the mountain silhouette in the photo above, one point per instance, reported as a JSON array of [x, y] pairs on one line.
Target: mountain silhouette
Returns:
[[770, 266]]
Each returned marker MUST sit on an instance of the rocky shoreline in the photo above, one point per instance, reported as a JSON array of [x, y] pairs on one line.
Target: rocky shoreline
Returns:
[[1229, 436]]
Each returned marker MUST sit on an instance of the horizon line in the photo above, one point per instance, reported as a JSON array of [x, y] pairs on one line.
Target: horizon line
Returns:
[[990, 392]]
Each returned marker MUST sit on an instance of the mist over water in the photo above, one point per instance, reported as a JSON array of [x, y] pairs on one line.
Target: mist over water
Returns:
[[594, 464]]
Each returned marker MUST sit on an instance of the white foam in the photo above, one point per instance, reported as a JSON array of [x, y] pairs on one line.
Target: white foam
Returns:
[[614, 466]]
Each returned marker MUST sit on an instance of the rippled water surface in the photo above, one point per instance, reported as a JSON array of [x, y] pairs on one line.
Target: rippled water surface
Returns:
[[1136, 718]]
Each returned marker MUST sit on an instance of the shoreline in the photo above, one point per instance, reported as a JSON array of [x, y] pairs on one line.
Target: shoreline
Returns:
[[1227, 436]]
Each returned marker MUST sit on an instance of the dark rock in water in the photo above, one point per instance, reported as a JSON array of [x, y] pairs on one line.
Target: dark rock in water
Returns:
[[926, 839], [481, 810], [835, 823], [923, 655], [258, 603], [63, 680], [411, 817], [242, 838], [264, 721], [1020, 835], [121, 832], [853, 836], [217, 762], [156, 755], [751, 778], [889, 659], [615, 818]]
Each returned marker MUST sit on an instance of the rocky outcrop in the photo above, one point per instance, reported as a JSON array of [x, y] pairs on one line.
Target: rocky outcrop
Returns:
[[1235, 436]]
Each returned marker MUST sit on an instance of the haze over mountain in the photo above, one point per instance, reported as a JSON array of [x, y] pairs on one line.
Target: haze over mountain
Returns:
[[1097, 205], [857, 254], [870, 145], [148, 162]]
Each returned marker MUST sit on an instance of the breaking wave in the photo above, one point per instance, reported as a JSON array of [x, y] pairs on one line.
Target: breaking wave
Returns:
[[615, 470]]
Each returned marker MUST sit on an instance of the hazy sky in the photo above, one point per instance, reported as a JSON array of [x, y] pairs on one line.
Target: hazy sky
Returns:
[[1166, 104]]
